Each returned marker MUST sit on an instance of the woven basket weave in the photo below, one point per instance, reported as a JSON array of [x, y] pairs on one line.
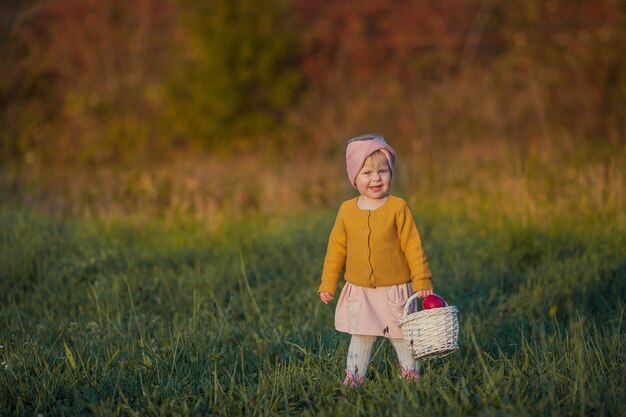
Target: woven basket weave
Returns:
[[430, 333]]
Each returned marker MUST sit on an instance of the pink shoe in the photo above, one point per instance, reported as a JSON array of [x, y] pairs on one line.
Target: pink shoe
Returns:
[[352, 380], [410, 374]]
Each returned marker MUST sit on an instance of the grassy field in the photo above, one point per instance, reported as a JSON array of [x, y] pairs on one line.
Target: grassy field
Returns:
[[164, 318], [166, 199]]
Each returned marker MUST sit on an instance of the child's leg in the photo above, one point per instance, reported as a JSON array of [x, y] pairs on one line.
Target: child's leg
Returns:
[[359, 354], [409, 366]]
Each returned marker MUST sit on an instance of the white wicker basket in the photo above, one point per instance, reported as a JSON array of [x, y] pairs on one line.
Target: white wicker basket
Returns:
[[430, 333]]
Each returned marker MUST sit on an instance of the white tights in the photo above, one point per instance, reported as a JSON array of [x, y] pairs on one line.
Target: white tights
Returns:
[[360, 353]]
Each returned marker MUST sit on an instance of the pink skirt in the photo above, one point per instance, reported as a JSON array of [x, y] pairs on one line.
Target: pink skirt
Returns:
[[372, 311]]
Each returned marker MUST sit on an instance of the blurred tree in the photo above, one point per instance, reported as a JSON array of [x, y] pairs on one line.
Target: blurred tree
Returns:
[[572, 53], [94, 80], [19, 87], [84, 79], [241, 78], [561, 63], [405, 39]]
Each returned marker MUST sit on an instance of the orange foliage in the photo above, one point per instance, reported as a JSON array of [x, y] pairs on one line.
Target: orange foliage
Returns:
[[83, 75], [366, 38], [91, 43], [382, 36], [90, 77]]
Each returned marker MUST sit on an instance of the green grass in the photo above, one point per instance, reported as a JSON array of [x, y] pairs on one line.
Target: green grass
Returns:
[[173, 319]]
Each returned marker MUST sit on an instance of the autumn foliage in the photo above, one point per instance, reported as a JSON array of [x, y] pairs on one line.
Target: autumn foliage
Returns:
[[115, 81]]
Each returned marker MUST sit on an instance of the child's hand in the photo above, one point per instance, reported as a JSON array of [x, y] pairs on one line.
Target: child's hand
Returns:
[[424, 293], [325, 297]]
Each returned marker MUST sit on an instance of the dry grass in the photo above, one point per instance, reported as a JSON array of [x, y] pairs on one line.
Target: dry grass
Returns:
[[528, 182]]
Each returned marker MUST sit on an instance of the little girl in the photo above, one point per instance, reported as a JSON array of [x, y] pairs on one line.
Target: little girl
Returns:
[[376, 240]]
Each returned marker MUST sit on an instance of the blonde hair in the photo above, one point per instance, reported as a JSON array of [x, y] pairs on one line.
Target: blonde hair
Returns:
[[378, 156]]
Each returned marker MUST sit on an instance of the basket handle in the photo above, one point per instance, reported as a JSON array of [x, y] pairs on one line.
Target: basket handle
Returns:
[[408, 303]]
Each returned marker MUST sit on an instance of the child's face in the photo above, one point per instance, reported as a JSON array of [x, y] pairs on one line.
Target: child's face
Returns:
[[374, 178]]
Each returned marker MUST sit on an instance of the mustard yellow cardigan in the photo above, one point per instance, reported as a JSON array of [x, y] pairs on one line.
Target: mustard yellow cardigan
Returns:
[[377, 247]]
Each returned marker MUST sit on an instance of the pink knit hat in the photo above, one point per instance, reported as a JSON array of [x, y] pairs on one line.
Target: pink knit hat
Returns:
[[360, 148]]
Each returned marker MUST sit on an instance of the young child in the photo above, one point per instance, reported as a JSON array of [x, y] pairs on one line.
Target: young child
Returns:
[[376, 240]]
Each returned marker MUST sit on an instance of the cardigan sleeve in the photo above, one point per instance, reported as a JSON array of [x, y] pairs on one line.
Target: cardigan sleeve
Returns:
[[335, 260], [411, 244]]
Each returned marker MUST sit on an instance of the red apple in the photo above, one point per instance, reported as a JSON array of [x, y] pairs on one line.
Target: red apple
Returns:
[[433, 301]]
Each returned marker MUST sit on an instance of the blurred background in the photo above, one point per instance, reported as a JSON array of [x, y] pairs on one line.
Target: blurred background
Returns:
[[211, 109]]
